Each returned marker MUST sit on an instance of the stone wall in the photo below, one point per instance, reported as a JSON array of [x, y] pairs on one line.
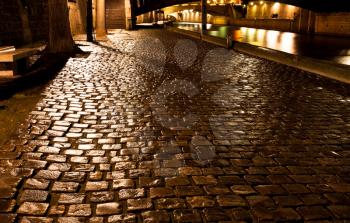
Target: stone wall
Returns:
[[305, 22], [274, 24], [301, 20], [77, 16], [266, 10], [191, 16], [333, 23], [13, 21]]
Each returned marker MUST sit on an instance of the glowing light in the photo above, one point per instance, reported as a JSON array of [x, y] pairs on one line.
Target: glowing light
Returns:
[[275, 7], [261, 35], [252, 3], [272, 39], [251, 34], [343, 60], [287, 42], [261, 2]]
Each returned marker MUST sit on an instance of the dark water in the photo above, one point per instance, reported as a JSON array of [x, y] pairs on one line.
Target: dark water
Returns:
[[332, 48]]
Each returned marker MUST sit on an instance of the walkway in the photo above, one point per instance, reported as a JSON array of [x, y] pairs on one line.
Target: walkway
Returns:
[[154, 127], [332, 48]]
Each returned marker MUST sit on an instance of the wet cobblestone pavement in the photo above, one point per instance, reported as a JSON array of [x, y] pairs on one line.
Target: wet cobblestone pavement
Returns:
[[154, 127]]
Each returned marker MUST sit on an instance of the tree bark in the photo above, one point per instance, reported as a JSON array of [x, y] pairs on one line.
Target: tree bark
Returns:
[[60, 36], [23, 12]]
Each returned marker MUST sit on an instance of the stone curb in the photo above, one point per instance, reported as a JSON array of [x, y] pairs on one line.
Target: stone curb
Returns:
[[323, 68]]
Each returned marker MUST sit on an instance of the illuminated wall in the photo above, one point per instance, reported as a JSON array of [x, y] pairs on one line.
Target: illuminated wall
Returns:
[[191, 13], [77, 21], [265, 10], [195, 16], [223, 2], [333, 23]]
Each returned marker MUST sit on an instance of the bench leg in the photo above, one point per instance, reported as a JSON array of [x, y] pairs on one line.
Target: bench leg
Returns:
[[20, 66]]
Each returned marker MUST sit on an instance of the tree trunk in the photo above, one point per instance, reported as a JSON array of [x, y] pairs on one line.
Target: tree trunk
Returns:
[[27, 33], [60, 36]]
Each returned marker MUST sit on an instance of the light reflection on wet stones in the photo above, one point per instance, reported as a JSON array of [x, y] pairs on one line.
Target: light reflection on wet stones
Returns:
[[262, 142]]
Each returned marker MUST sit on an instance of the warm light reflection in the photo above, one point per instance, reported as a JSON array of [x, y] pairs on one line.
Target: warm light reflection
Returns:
[[287, 42], [251, 34], [282, 41], [272, 38], [261, 34], [343, 60], [275, 7]]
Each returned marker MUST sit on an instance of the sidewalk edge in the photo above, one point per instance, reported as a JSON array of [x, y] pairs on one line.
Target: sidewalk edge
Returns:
[[320, 67]]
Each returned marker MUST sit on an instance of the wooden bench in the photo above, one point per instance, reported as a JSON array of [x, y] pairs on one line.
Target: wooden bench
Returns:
[[15, 61]]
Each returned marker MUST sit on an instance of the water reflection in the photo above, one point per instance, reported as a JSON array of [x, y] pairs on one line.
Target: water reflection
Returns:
[[321, 47]]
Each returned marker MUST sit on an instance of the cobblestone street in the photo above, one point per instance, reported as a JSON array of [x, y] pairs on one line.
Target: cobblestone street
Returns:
[[155, 127]]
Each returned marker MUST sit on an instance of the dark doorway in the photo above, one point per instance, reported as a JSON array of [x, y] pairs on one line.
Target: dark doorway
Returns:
[[115, 14]]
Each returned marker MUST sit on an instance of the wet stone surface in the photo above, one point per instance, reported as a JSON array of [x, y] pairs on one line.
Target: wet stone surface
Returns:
[[155, 127]]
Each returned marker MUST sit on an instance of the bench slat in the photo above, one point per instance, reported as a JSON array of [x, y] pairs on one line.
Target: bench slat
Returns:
[[16, 55], [6, 73], [19, 59]]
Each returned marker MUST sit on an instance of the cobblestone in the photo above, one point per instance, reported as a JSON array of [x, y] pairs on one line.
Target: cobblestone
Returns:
[[79, 210], [136, 132], [127, 218], [65, 186], [139, 204], [187, 216], [34, 195], [71, 198], [108, 208], [155, 216], [31, 208], [158, 192], [56, 210]]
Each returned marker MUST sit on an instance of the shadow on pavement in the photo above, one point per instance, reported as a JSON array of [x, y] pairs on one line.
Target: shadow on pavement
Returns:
[[20, 94], [43, 70]]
